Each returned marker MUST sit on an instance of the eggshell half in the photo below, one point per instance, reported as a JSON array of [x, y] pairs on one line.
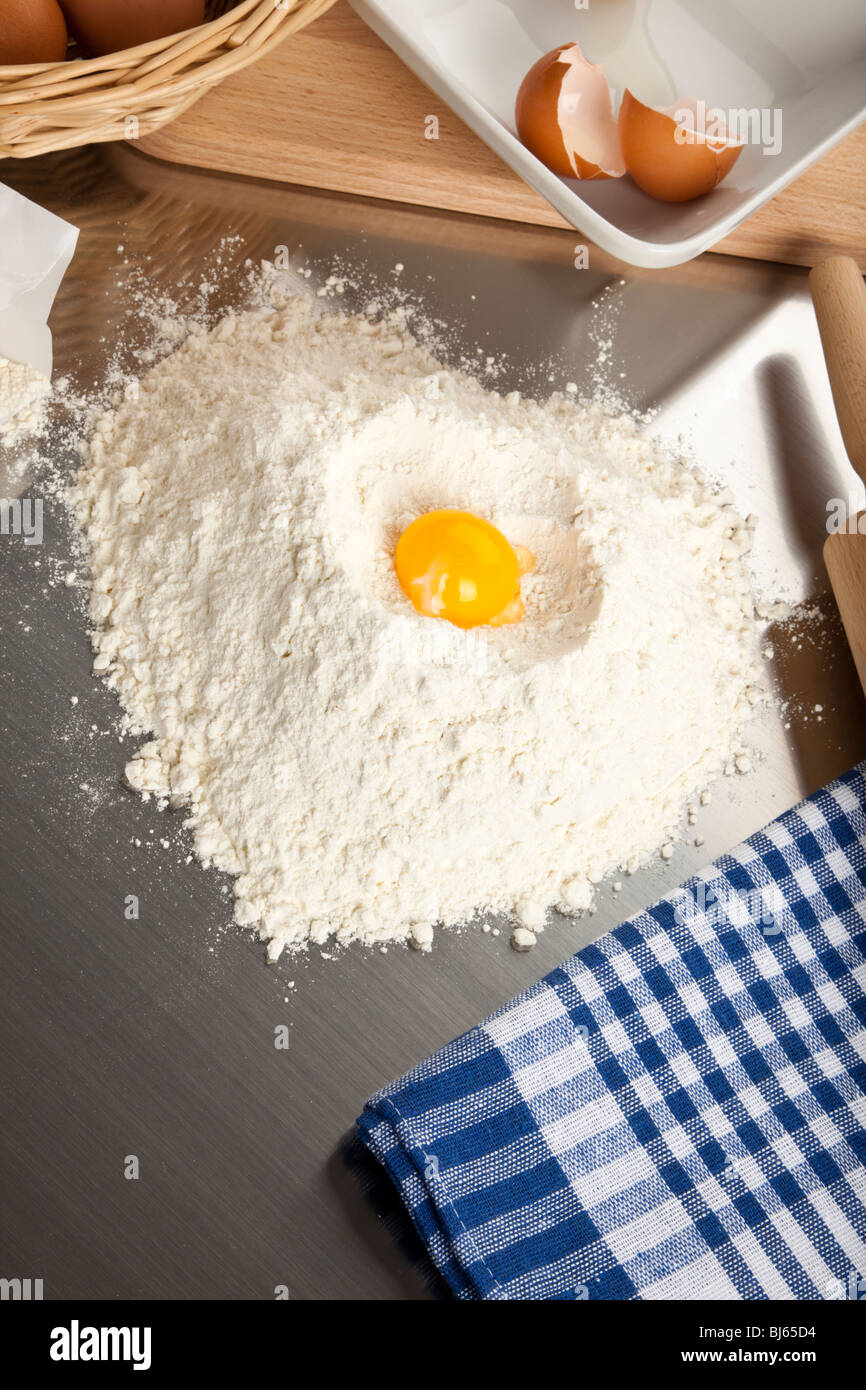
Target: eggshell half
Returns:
[[564, 116], [671, 168]]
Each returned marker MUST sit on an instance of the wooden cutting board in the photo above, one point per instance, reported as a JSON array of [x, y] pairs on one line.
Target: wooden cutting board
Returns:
[[334, 108]]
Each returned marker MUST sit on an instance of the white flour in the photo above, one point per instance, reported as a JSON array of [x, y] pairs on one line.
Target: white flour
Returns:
[[23, 391], [363, 770]]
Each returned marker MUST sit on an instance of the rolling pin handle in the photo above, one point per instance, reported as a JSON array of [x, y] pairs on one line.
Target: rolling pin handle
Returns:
[[839, 296]]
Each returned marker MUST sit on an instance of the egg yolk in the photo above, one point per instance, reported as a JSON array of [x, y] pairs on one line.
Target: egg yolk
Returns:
[[456, 566]]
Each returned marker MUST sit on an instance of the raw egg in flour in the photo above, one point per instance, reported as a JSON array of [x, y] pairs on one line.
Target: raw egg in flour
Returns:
[[456, 566]]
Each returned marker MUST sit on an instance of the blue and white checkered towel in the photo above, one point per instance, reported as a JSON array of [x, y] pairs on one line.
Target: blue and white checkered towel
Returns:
[[677, 1112]]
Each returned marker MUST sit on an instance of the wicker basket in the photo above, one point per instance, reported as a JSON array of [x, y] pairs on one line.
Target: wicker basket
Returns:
[[53, 106]]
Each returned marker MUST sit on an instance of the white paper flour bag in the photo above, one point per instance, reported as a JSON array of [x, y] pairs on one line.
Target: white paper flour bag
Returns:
[[35, 250]]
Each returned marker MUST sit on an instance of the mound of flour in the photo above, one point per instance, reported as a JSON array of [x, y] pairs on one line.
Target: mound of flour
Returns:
[[363, 770]]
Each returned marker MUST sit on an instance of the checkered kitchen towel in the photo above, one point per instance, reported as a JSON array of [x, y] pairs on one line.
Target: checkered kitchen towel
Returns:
[[678, 1111]]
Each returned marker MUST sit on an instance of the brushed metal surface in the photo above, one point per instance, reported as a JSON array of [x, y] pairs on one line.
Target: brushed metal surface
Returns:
[[155, 1037]]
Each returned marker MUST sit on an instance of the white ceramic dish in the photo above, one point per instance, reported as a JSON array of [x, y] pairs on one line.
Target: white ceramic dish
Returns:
[[807, 61]]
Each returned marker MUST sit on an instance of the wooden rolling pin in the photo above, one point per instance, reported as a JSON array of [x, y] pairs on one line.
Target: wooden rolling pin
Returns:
[[839, 296]]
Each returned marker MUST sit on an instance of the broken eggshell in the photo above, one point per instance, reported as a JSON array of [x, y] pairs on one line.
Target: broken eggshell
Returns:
[[565, 118], [675, 153]]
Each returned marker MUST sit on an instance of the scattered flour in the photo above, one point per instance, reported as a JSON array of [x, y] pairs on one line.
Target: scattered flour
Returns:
[[23, 391], [364, 771], [522, 939]]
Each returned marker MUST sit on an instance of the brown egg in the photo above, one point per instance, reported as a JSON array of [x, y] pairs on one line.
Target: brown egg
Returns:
[[106, 26], [32, 31], [564, 116], [668, 154]]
